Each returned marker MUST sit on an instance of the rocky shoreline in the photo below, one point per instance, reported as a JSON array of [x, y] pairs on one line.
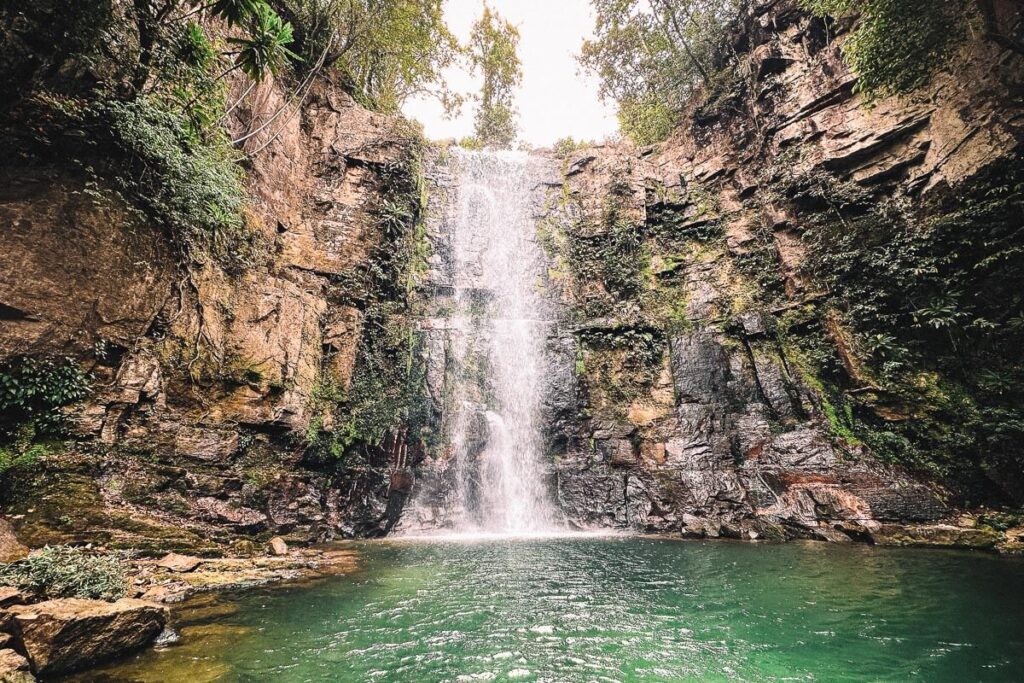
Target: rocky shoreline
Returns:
[[68, 635]]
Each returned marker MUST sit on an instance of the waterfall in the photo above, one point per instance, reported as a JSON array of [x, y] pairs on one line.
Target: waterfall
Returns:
[[491, 317]]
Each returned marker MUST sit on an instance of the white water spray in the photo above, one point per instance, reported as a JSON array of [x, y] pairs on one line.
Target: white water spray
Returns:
[[495, 322]]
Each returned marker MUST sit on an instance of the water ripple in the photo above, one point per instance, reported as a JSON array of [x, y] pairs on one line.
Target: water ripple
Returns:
[[621, 609]]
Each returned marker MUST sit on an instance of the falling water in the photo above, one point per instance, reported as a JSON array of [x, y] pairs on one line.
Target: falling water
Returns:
[[494, 326]]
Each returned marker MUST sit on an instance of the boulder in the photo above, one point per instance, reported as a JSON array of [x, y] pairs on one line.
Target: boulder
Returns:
[[11, 549], [179, 563], [278, 546], [70, 634], [14, 668]]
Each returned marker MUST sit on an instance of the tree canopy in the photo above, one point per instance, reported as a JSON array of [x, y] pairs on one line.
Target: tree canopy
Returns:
[[651, 56], [492, 51], [387, 50]]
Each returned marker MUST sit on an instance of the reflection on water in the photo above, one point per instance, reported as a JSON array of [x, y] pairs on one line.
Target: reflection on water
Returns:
[[618, 609]]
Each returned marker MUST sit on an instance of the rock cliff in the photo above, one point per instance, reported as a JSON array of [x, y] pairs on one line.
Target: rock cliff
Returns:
[[725, 380], [209, 378], [755, 334]]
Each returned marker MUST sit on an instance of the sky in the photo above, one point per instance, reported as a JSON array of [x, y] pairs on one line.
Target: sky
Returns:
[[556, 99]]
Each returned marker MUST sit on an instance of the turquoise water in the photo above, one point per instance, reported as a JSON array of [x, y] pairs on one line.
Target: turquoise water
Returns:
[[617, 609]]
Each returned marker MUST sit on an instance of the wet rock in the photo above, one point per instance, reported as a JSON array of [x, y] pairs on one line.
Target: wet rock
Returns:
[[698, 527], [71, 634], [167, 637], [205, 444], [1013, 542], [278, 546], [945, 535], [242, 518], [618, 452]]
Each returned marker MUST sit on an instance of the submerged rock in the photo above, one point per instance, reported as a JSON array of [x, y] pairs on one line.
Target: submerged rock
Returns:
[[167, 638], [71, 634]]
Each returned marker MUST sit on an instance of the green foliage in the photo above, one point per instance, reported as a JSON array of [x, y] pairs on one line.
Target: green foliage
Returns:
[[471, 142], [564, 147], [264, 48], [620, 364], [235, 12], [896, 45], [188, 181], [260, 37], [646, 120], [68, 572], [492, 51], [652, 58], [931, 296], [386, 51], [33, 391]]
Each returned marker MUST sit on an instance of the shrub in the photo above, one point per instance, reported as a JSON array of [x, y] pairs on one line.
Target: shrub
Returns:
[[68, 572], [190, 182], [33, 391]]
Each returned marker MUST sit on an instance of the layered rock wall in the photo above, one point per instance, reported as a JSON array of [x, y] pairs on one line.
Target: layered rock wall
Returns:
[[686, 269], [205, 378]]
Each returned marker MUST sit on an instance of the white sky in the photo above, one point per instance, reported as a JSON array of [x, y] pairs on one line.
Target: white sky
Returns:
[[555, 99]]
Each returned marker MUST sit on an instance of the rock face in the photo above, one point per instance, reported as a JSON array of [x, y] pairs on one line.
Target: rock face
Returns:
[[205, 380], [60, 636], [14, 668], [11, 549], [695, 408]]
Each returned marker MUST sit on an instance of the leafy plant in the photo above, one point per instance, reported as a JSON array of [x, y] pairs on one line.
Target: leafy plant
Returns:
[[896, 45], [653, 57], [385, 52], [234, 12], [68, 572], [264, 48], [33, 391]]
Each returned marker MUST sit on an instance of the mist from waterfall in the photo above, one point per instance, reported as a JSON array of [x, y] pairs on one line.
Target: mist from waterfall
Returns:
[[494, 321]]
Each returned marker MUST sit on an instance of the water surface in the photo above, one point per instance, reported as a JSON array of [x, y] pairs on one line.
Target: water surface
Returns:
[[618, 609]]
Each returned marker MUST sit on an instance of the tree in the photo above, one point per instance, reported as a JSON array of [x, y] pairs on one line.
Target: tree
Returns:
[[166, 25], [897, 45], [387, 50], [651, 56], [492, 51]]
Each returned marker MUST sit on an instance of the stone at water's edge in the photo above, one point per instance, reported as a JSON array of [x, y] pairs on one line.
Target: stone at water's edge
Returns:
[[61, 636], [278, 546], [179, 563]]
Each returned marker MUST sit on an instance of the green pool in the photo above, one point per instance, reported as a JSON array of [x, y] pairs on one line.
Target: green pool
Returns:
[[616, 609]]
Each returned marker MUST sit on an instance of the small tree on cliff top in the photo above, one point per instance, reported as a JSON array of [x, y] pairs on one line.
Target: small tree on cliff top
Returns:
[[492, 50], [651, 56], [386, 51]]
